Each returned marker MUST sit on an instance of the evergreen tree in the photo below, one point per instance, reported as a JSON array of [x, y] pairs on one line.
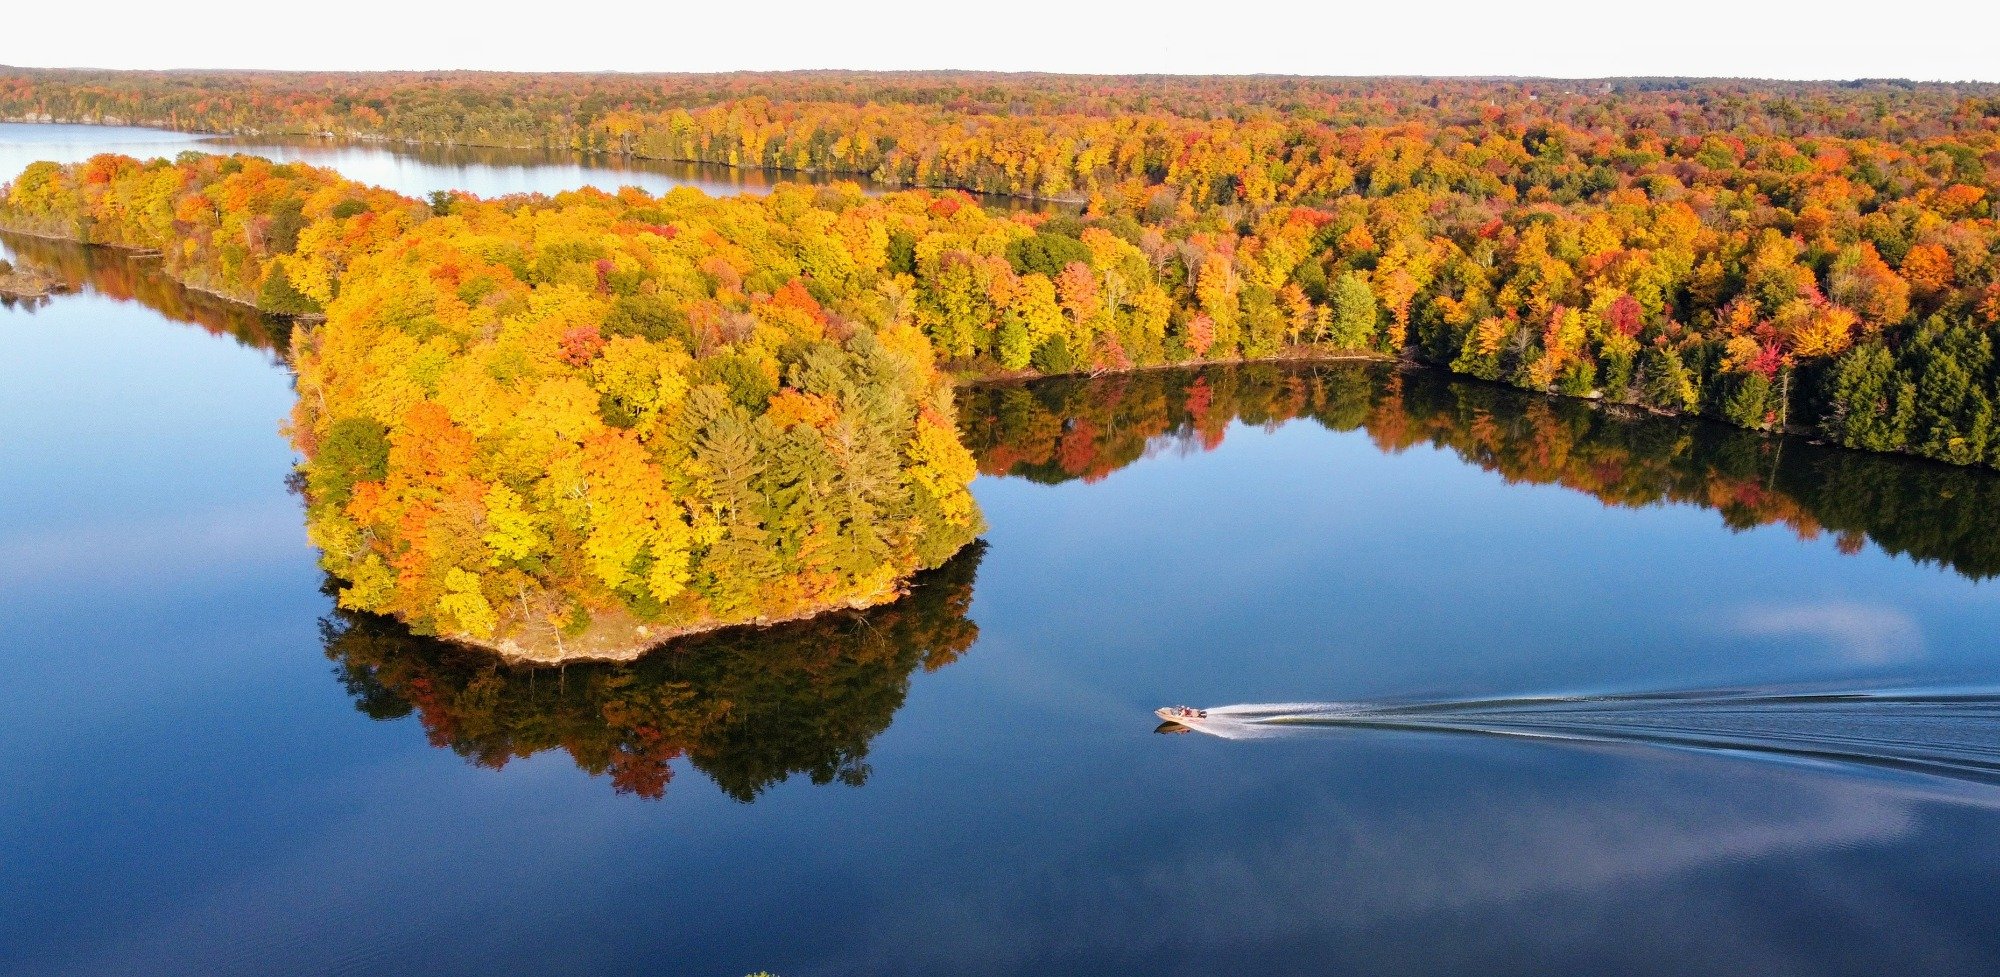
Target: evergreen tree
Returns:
[[1869, 406]]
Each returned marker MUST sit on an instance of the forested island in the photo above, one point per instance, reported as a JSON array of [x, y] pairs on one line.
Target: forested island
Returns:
[[575, 426], [566, 428]]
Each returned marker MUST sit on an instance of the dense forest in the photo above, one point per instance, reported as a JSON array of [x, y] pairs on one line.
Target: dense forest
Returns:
[[570, 427], [665, 413], [1046, 135], [1808, 256]]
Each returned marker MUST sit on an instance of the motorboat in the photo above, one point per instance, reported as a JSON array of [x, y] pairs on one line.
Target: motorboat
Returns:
[[1182, 715]]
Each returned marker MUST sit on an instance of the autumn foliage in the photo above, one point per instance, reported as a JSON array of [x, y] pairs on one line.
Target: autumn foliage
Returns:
[[572, 427], [277, 236], [665, 413], [1773, 254], [527, 414]]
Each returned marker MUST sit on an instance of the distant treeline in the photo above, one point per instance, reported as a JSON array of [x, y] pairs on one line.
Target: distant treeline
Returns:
[[1048, 135], [1809, 256]]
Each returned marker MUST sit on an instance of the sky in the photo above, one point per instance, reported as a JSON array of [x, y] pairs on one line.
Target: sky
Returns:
[[1919, 39]]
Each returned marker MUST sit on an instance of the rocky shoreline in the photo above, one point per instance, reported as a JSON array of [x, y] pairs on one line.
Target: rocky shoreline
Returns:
[[27, 283]]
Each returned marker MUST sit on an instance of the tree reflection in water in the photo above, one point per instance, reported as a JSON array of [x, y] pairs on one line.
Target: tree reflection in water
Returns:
[[748, 707], [1067, 429], [126, 277], [753, 707]]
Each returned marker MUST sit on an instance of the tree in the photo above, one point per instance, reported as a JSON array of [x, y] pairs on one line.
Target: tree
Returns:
[[1872, 407], [1356, 314]]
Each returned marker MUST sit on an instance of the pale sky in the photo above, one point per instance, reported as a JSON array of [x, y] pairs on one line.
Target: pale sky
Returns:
[[1920, 39]]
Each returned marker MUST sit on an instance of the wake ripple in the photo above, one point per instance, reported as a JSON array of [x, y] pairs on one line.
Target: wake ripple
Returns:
[[1954, 735]]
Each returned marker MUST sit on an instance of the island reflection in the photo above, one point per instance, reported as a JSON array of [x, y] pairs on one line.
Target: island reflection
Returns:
[[1080, 428], [751, 708], [748, 707]]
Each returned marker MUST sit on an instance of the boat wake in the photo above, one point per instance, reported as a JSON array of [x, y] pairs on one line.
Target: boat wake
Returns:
[[1954, 735]]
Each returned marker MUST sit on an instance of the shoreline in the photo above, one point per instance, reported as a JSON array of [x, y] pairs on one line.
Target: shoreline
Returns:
[[513, 653], [608, 639], [975, 377], [369, 137], [134, 253], [964, 375], [22, 283], [967, 375]]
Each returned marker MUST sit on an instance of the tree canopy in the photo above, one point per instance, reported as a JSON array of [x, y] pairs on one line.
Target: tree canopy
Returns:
[[663, 413]]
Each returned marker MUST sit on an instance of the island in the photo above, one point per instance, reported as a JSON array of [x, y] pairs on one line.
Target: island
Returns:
[[574, 427]]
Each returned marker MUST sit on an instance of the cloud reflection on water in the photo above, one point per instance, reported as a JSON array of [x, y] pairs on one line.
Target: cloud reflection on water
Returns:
[[1864, 633], [1397, 862]]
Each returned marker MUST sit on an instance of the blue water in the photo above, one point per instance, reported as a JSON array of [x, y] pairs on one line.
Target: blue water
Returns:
[[192, 785]]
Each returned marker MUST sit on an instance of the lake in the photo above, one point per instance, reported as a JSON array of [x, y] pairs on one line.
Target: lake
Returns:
[[417, 171], [1571, 692]]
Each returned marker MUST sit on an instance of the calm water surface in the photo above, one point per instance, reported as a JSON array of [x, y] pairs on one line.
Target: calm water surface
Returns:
[[417, 171], [209, 771], [414, 171]]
